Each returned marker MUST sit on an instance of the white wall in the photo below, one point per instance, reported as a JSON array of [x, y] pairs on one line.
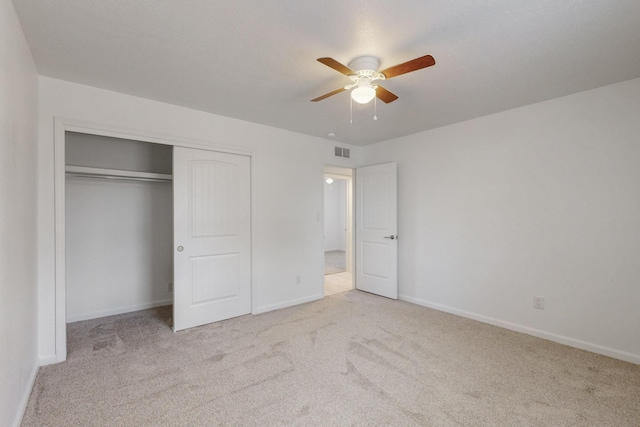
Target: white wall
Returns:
[[287, 231], [18, 206], [119, 240], [542, 200], [335, 236], [115, 153]]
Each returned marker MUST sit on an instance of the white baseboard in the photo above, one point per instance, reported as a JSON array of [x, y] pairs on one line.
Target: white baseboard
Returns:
[[48, 360], [572, 342], [119, 310], [334, 250], [290, 303], [25, 396]]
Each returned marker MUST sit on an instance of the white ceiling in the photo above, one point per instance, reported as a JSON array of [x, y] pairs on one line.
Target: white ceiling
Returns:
[[256, 60]]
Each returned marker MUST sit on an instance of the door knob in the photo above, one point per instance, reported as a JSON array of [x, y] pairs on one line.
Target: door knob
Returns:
[[180, 248], [392, 237]]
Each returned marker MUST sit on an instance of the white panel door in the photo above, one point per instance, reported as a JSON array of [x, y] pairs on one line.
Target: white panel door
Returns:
[[376, 230], [212, 257]]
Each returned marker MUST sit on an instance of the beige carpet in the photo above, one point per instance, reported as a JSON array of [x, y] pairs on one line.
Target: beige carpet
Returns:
[[349, 359]]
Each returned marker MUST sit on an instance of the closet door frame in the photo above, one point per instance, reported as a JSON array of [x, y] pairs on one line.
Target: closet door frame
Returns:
[[63, 125]]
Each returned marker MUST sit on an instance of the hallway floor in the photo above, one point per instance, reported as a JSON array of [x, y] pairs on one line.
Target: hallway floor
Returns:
[[337, 283]]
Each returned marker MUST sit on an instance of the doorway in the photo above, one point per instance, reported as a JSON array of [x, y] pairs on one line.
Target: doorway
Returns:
[[118, 217], [338, 230]]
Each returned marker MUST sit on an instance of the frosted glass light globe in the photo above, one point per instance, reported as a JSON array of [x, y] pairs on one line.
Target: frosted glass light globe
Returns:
[[363, 94]]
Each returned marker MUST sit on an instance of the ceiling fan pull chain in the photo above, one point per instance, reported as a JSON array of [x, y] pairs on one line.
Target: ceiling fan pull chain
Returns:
[[351, 111], [375, 109]]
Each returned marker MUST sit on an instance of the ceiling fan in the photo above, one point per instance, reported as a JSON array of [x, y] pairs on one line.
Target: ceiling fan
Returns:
[[363, 71]]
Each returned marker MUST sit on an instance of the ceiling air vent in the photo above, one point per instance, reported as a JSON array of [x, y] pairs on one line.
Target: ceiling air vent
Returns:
[[343, 152]]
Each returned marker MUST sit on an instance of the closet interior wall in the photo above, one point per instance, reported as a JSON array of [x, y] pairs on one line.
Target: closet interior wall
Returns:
[[119, 232]]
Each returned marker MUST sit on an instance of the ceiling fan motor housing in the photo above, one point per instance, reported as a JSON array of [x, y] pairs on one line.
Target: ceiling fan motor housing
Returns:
[[367, 66], [365, 63]]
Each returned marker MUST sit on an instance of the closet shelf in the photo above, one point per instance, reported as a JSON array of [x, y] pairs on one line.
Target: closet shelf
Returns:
[[89, 172]]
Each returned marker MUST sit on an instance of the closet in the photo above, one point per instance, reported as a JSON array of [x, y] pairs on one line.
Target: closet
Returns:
[[118, 225], [149, 224]]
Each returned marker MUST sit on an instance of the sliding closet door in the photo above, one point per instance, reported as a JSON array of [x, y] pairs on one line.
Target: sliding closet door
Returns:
[[212, 265]]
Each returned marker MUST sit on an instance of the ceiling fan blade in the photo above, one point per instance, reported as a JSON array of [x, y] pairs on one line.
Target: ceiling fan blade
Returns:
[[326, 95], [385, 95], [409, 66], [332, 63]]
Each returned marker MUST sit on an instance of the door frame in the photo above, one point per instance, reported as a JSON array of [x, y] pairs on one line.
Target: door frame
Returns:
[[347, 174], [63, 125]]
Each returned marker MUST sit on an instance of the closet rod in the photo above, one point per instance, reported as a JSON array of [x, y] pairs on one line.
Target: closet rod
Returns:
[[117, 177], [91, 172]]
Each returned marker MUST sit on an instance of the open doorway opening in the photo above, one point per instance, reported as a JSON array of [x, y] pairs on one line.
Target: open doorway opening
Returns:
[[118, 239], [338, 230], [118, 226]]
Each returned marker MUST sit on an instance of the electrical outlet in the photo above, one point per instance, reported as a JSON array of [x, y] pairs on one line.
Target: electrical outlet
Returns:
[[538, 302], [170, 287], [298, 279]]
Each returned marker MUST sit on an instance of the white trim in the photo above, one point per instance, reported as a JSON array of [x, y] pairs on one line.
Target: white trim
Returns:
[[121, 310], [60, 240], [287, 304], [335, 250], [26, 393], [72, 125], [572, 342], [48, 360], [252, 225], [63, 125], [321, 231]]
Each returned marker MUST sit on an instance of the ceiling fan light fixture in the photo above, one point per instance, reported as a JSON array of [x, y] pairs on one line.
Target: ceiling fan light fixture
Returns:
[[363, 94], [364, 70]]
